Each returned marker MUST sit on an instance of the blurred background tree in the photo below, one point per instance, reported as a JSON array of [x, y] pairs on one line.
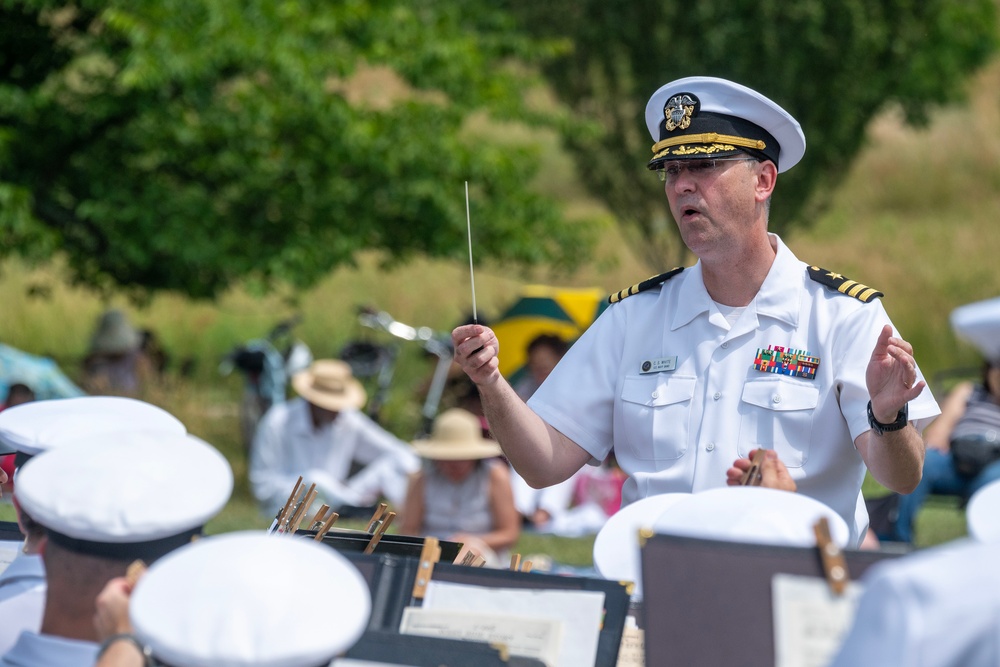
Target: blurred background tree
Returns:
[[161, 144], [832, 65], [189, 144]]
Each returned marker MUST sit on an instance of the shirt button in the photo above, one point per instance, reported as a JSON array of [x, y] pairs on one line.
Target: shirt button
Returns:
[[710, 446], [725, 346], [655, 394], [776, 398], [717, 395]]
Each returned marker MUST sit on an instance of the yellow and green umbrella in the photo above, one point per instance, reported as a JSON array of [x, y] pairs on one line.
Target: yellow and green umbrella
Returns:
[[542, 309]]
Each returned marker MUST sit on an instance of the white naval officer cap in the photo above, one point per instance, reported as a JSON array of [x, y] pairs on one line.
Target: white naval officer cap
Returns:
[[751, 514], [982, 515], [140, 495], [616, 547], [701, 117], [248, 598], [979, 324], [31, 428]]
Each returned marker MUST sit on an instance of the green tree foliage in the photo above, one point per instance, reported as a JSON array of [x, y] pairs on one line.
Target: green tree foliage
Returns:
[[832, 64], [189, 144]]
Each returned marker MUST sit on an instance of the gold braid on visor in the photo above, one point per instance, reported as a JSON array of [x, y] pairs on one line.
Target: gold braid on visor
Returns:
[[709, 138]]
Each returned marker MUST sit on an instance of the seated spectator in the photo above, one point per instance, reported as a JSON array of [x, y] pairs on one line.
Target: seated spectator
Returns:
[[544, 352], [321, 436], [463, 492], [963, 448], [115, 362], [963, 444], [41, 374]]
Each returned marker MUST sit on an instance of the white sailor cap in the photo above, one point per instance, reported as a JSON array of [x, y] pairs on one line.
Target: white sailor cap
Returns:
[[249, 598], [751, 514], [983, 513], [979, 323], [138, 496], [31, 428], [616, 547], [704, 117]]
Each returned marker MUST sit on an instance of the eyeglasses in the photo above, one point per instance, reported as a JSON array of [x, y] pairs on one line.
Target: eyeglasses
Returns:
[[671, 171]]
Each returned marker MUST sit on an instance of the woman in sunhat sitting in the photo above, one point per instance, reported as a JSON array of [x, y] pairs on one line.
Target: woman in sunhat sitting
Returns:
[[463, 491]]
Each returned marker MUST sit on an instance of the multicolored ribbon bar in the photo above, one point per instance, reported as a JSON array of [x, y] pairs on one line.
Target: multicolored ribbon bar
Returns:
[[794, 363]]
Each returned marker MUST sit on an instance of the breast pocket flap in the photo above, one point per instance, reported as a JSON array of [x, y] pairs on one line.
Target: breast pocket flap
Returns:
[[780, 395], [658, 390]]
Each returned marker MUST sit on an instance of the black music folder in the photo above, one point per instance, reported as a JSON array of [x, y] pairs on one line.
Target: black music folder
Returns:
[[708, 602]]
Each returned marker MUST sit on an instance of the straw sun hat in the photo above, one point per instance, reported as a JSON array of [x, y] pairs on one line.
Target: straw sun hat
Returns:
[[330, 384], [456, 435]]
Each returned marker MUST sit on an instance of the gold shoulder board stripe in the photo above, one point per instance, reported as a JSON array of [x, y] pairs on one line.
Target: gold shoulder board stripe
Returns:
[[649, 283], [834, 280]]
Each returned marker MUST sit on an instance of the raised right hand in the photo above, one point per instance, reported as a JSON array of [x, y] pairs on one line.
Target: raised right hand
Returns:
[[476, 351]]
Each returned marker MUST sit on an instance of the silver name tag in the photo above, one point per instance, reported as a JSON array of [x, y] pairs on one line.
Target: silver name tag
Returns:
[[658, 365]]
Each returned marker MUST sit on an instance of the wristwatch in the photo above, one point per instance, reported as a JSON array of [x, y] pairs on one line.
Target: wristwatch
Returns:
[[128, 637], [880, 428]]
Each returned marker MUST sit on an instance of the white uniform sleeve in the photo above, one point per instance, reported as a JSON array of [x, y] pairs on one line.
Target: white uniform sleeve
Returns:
[[578, 397]]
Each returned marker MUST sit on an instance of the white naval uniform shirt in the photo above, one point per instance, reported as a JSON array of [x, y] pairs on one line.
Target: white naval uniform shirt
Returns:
[[680, 430], [22, 598], [37, 650], [935, 608], [286, 445]]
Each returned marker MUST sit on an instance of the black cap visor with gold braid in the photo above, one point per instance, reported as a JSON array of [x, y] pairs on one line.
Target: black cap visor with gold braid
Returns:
[[687, 132]]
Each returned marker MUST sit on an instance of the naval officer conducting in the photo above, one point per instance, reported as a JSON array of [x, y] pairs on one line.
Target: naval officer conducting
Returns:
[[748, 348]]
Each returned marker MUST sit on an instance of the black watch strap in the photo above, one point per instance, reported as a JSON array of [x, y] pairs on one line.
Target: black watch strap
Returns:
[[902, 418]]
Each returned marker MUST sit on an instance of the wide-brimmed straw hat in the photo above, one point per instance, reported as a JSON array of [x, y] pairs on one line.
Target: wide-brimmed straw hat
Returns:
[[456, 435], [330, 384]]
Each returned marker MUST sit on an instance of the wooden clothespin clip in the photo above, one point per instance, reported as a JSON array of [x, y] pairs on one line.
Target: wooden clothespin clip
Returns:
[[373, 523], [753, 475], [318, 517], [279, 520], [429, 555], [134, 571], [325, 528], [383, 525], [515, 562], [478, 561], [526, 566], [468, 558], [300, 513], [834, 564]]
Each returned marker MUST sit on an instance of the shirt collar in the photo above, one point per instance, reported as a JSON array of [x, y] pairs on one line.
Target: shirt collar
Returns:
[[778, 296]]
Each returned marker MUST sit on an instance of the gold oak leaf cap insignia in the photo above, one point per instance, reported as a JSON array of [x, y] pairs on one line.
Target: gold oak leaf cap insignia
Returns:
[[837, 282], [647, 284]]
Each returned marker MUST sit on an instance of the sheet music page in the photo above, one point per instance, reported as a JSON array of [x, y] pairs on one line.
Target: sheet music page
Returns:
[[632, 651], [809, 620], [530, 637], [8, 552], [581, 612]]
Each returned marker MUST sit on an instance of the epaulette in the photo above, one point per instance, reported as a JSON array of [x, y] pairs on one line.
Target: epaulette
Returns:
[[833, 280], [649, 283]]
